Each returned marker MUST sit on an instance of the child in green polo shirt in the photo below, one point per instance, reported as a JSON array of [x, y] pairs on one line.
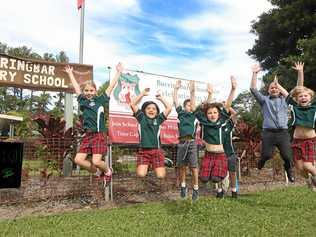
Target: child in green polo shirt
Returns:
[[187, 154], [92, 107], [214, 122], [229, 148], [303, 113], [150, 119]]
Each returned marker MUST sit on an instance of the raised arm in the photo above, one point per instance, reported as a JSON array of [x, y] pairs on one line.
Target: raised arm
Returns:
[[192, 95], [210, 91], [233, 114], [299, 67], [282, 90], [255, 70], [119, 70], [167, 105], [175, 93], [231, 94], [135, 101], [74, 83]]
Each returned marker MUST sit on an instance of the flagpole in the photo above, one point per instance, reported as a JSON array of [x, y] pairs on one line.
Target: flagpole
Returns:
[[81, 32], [69, 97]]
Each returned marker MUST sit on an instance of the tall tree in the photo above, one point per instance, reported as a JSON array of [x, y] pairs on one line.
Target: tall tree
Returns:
[[286, 33]]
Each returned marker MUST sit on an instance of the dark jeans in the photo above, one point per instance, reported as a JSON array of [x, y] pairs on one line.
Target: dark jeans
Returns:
[[279, 139]]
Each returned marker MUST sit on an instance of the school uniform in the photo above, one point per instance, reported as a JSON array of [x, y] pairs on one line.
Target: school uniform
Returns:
[[150, 152], [304, 116], [228, 143], [94, 140], [213, 164], [187, 153]]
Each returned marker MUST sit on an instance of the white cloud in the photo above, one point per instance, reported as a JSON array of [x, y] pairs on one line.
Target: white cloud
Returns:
[[51, 26]]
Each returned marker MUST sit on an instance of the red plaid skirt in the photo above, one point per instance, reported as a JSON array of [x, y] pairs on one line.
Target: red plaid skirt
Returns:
[[304, 149], [93, 143], [213, 164], [152, 157]]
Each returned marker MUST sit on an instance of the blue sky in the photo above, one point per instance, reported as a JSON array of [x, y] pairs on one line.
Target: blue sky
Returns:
[[204, 40]]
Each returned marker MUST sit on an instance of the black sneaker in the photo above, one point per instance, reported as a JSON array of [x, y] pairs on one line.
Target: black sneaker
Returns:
[[260, 164], [195, 194], [234, 194], [290, 176], [183, 192], [220, 194]]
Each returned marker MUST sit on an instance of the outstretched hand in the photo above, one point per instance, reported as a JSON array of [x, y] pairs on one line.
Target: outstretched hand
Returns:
[[210, 88], [145, 92], [177, 85], [119, 67], [192, 86], [68, 69], [233, 82], [158, 95], [256, 68], [298, 66]]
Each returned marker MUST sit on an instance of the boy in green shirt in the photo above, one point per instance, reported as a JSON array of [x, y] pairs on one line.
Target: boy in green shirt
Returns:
[[187, 153]]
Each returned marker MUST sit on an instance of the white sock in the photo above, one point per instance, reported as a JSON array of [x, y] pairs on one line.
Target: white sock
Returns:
[[183, 185], [234, 190], [108, 173], [196, 187], [219, 190], [98, 172]]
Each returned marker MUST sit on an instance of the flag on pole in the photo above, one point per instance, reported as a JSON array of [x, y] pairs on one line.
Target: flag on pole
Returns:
[[80, 3]]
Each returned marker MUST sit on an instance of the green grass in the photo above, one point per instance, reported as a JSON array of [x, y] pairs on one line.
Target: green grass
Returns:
[[286, 212]]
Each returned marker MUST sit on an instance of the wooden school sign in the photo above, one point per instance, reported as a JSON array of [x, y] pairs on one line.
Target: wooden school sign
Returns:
[[41, 75]]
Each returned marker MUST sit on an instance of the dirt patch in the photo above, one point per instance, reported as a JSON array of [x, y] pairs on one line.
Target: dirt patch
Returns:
[[127, 190]]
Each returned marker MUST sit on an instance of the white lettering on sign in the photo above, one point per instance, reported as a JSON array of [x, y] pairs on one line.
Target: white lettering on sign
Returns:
[[7, 76], [44, 80]]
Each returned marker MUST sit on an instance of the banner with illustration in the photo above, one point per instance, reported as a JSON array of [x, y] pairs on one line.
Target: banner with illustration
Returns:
[[123, 127], [41, 75]]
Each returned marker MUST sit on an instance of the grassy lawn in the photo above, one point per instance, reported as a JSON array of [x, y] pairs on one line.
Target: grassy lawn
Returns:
[[288, 212]]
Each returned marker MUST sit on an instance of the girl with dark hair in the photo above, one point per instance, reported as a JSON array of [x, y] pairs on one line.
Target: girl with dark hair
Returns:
[[150, 119]]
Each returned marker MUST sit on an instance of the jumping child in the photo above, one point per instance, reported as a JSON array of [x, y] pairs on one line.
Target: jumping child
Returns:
[[213, 122], [150, 119], [187, 148], [228, 143], [303, 108], [92, 107]]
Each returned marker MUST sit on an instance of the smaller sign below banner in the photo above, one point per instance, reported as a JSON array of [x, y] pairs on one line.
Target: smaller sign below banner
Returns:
[[124, 130]]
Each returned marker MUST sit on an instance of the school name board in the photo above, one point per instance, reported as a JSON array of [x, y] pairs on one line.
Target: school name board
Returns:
[[41, 75]]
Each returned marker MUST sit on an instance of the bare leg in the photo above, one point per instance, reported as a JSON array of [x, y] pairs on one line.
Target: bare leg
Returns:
[[232, 176], [160, 172], [142, 170], [195, 176], [310, 168], [183, 171], [99, 163], [80, 160]]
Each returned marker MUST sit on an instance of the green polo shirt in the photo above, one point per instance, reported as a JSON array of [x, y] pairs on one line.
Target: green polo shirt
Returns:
[[228, 134], [93, 112], [187, 123], [149, 129], [213, 132], [304, 116]]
